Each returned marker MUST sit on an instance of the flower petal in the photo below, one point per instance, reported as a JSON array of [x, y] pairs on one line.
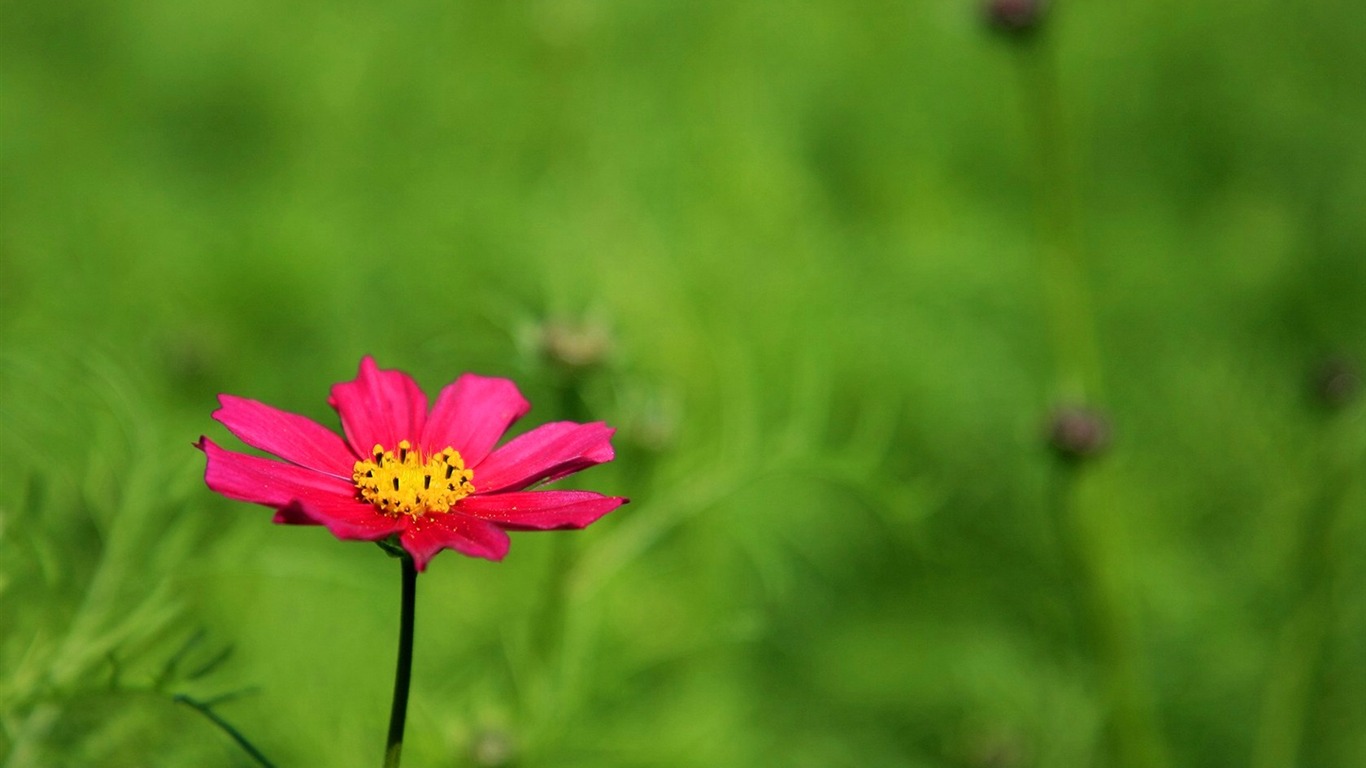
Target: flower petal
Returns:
[[265, 481], [293, 515], [300, 496], [452, 530], [379, 407], [345, 518], [471, 414], [539, 510], [294, 438], [547, 452]]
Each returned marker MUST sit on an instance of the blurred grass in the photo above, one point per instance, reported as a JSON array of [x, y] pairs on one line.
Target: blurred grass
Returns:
[[810, 232]]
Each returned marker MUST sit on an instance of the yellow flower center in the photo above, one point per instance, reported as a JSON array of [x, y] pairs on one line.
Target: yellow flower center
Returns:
[[406, 483]]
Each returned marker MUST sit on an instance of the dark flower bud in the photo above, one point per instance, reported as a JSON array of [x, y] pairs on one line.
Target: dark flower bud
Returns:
[[1077, 433], [1336, 383], [1015, 17]]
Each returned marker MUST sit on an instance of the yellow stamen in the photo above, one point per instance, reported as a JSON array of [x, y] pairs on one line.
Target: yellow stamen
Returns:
[[407, 484]]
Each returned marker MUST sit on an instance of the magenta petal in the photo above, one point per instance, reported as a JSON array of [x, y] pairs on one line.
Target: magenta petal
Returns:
[[300, 496], [346, 518], [264, 481], [452, 530], [547, 452], [540, 510], [293, 515], [379, 408], [471, 414], [292, 437]]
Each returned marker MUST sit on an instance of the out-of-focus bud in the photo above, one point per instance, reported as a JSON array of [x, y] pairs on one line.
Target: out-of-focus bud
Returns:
[[574, 347], [1077, 433], [192, 358], [1015, 17], [493, 748], [651, 420], [1003, 749], [1336, 383]]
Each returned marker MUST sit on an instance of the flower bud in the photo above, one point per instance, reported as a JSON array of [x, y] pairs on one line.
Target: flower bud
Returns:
[[1077, 433], [1005, 749], [493, 748], [1336, 383], [574, 347], [1015, 17]]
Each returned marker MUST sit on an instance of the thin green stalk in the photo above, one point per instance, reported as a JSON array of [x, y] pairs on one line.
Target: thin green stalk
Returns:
[[398, 713], [1286, 702], [1084, 507], [226, 727], [1067, 550], [548, 625], [1068, 300], [1288, 699], [548, 631], [1111, 619]]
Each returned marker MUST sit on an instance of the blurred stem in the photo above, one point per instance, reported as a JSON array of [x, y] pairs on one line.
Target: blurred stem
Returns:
[[1090, 530], [1109, 613], [1288, 700], [570, 395], [547, 629], [25, 736], [225, 727], [398, 713], [1068, 300]]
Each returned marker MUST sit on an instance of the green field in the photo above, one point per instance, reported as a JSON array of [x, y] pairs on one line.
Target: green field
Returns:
[[835, 264]]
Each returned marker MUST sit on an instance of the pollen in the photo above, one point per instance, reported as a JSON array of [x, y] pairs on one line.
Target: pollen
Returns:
[[404, 482]]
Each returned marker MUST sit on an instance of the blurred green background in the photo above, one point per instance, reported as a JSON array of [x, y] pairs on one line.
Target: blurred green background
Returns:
[[804, 256]]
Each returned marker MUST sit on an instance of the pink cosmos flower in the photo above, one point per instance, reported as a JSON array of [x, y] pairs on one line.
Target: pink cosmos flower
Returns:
[[433, 478]]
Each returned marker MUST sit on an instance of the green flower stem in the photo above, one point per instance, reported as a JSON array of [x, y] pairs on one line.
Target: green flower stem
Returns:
[[1068, 300], [1288, 697], [226, 727], [1288, 701], [549, 627], [1109, 615], [398, 713], [1085, 508]]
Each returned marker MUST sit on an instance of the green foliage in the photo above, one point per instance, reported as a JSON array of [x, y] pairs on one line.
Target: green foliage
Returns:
[[94, 548], [810, 235]]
